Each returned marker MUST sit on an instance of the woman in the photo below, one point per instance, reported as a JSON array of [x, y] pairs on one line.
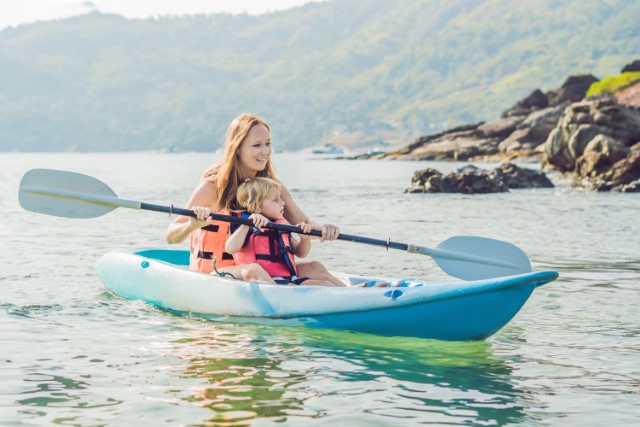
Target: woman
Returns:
[[247, 154]]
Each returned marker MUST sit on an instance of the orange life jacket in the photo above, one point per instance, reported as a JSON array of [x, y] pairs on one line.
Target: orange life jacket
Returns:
[[271, 249], [207, 243]]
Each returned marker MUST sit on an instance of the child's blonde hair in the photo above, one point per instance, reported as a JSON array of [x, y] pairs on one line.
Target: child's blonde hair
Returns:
[[252, 192]]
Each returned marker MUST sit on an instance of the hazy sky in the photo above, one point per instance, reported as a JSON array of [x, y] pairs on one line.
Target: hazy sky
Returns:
[[16, 12]]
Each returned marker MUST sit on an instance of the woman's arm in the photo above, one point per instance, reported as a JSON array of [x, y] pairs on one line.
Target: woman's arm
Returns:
[[202, 202], [295, 215], [292, 212], [301, 248]]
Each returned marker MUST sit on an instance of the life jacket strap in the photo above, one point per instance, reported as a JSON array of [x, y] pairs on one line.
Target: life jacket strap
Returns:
[[275, 236], [209, 255], [268, 257], [285, 249]]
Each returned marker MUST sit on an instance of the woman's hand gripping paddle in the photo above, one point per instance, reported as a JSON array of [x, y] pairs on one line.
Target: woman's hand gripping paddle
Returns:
[[74, 195]]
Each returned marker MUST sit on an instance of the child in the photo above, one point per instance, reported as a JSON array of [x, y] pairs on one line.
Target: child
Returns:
[[274, 250]]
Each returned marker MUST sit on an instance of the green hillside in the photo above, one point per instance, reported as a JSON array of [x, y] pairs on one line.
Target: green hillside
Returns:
[[102, 82]]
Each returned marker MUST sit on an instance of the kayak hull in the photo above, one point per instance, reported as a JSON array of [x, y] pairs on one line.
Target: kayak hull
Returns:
[[453, 311]]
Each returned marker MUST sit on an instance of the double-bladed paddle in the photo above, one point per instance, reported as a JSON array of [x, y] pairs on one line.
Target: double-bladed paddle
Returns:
[[74, 195]]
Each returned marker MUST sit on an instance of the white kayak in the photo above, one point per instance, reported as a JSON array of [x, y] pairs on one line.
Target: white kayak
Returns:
[[455, 311]]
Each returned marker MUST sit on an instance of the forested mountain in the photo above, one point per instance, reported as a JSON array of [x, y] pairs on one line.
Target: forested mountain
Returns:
[[405, 68]]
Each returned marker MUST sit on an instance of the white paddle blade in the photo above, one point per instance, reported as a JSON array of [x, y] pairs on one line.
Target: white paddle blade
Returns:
[[65, 194], [477, 258]]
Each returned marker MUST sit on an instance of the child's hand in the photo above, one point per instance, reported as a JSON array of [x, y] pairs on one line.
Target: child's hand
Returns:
[[259, 221]]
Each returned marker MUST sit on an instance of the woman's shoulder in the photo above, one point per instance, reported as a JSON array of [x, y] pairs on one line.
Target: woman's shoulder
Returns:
[[207, 185], [284, 190], [205, 194]]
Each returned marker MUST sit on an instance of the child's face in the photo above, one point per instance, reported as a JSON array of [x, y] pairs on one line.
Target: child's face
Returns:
[[273, 206]]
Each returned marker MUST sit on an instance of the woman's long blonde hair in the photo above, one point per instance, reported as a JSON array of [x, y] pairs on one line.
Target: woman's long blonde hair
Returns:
[[226, 174]]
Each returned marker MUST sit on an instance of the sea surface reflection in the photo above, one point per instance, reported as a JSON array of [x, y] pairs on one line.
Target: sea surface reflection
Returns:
[[297, 375]]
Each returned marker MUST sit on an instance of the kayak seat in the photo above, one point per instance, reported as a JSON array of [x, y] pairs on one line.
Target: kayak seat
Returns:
[[172, 256]]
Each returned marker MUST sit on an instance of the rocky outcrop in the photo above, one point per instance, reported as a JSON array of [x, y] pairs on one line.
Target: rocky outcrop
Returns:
[[471, 180], [634, 66], [572, 90], [520, 131], [599, 142], [468, 182], [583, 121], [598, 170], [532, 131], [516, 177], [595, 140], [462, 143], [629, 95]]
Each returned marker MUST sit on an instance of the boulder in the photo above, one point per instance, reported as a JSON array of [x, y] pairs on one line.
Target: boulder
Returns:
[[534, 101], [629, 95], [600, 154], [634, 66], [624, 172], [572, 90], [632, 187], [623, 175], [501, 128], [517, 177], [420, 177], [461, 143], [583, 121], [471, 180], [429, 139], [533, 130]]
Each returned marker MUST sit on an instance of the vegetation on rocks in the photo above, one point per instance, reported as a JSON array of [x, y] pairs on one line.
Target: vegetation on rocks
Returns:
[[611, 84]]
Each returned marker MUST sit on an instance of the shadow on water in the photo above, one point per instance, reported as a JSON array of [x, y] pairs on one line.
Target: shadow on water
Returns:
[[56, 391], [31, 310], [292, 375]]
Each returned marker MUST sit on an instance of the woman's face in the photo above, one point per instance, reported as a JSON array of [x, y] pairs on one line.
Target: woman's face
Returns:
[[255, 150]]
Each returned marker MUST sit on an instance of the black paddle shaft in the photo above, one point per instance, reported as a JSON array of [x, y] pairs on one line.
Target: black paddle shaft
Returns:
[[282, 227]]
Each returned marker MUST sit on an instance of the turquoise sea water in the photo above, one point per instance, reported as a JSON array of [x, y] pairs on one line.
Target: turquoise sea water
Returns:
[[72, 354]]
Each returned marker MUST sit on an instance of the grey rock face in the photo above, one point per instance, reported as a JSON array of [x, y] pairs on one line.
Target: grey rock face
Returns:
[[598, 141], [471, 180]]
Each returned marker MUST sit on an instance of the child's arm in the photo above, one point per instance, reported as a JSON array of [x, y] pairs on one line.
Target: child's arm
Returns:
[[235, 242]]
